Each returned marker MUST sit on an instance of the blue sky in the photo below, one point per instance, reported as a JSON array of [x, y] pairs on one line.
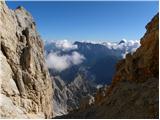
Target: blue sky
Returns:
[[105, 21]]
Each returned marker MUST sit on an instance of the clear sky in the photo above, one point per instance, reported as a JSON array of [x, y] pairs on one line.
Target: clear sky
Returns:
[[110, 21]]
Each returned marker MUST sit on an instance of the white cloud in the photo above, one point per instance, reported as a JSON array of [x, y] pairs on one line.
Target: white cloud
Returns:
[[65, 45], [115, 45], [76, 58], [128, 46], [60, 63]]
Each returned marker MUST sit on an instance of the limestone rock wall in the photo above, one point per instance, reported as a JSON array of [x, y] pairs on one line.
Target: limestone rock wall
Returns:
[[26, 87]]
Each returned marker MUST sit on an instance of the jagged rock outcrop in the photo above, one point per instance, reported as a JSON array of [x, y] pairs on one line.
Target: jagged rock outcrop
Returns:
[[59, 97], [134, 92], [26, 87], [144, 63], [68, 97]]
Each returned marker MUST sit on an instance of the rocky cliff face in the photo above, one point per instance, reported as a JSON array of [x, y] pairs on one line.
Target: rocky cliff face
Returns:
[[26, 87], [144, 63], [68, 97], [134, 92]]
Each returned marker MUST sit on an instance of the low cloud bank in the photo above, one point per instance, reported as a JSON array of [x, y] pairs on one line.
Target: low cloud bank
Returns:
[[129, 46], [60, 63], [65, 45]]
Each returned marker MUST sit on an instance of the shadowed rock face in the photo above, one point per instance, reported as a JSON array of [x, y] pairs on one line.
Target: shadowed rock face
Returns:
[[134, 92], [26, 87], [68, 97]]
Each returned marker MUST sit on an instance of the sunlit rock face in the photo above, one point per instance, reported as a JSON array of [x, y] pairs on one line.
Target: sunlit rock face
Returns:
[[26, 87], [143, 64], [134, 91]]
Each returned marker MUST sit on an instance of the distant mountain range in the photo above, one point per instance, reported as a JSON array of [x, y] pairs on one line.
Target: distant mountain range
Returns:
[[97, 58]]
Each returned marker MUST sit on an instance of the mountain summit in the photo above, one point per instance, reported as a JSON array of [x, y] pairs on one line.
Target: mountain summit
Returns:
[[122, 41]]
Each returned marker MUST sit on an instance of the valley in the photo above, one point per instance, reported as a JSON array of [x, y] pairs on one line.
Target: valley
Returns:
[[84, 79]]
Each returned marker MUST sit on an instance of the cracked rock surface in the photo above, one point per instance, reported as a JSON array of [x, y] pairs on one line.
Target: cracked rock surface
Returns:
[[26, 87]]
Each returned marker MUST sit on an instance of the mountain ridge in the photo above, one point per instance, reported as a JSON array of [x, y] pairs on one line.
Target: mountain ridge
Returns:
[[91, 72]]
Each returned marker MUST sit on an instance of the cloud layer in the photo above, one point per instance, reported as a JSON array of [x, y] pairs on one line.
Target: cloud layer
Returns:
[[60, 63], [129, 46], [65, 45]]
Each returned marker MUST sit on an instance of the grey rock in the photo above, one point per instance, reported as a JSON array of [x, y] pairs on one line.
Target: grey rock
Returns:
[[68, 97]]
